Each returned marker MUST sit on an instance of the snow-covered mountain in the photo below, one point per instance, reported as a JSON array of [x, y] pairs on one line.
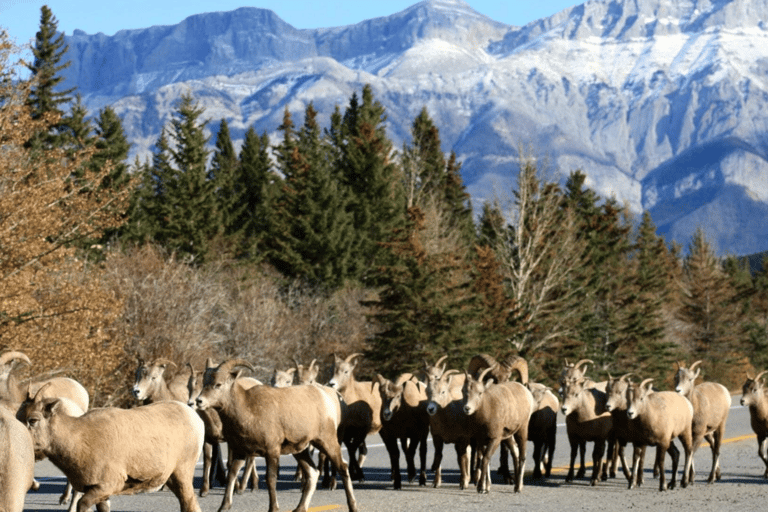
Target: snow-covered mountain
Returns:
[[660, 102]]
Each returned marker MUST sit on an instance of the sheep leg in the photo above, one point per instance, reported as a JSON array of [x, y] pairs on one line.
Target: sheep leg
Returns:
[[437, 461], [235, 464], [715, 440], [332, 452], [503, 470], [697, 439], [423, 458], [272, 459], [390, 442], [642, 465], [219, 470], [550, 451], [517, 448], [636, 452], [762, 452], [180, 484], [75, 499], [249, 473], [463, 456], [620, 446], [597, 461], [686, 438], [310, 475], [207, 457], [661, 451], [67, 494], [583, 459], [674, 453], [574, 450], [409, 448], [94, 495]]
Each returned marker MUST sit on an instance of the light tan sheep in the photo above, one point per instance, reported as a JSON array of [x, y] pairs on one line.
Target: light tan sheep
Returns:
[[754, 395], [711, 405], [499, 413], [17, 460], [112, 451], [661, 416], [267, 422]]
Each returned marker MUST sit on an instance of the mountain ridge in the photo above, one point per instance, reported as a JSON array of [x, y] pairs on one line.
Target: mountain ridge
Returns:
[[658, 102]]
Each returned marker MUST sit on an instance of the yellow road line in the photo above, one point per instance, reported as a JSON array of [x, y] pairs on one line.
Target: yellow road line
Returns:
[[324, 508]]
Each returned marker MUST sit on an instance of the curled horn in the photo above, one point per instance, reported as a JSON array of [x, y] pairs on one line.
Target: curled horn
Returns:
[[192, 372], [481, 378], [14, 355], [163, 361], [646, 381], [448, 374], [440, 361], [583, 361], [229, 365], [694, 365], [480, 362], [757, 377], [351, 356], [313, 363], [623, 378], [40, 395], [514, 362]]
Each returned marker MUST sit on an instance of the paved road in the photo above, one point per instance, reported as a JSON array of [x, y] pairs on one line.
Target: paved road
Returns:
[[742, 486]]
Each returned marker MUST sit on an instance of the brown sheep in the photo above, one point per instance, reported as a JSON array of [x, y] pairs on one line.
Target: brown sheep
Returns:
[[755, 396]]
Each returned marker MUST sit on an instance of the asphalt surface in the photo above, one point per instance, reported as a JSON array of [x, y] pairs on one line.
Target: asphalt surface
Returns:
[[742, 486]]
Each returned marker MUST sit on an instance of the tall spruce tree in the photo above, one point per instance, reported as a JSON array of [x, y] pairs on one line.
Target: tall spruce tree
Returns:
[[222, 176], [378, 202], [178, 202], [257, 186], [45, 98], [315, 233], [708, 307]]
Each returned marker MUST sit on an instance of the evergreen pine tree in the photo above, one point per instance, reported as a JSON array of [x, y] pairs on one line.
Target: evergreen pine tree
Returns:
[[378, 202], [178, 201], [44, 98], [222, 175], [258, 187], [314, 238], [111, 145]]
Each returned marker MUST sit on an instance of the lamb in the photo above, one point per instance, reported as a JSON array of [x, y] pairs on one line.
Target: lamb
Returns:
[[363, 416], [15, 392], [404, 415], [587, 420], [268, 422], [17, 460], [282, 378], [500, 412], [660, 416], [755, 396], [448, 424], [711, 405], [308, 374], [121, 451]]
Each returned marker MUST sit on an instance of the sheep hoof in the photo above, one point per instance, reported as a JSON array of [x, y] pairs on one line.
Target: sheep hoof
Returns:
[[36, 484]]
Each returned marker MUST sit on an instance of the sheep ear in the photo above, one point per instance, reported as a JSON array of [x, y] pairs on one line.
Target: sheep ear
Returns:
[[51, 408], [235, 374]]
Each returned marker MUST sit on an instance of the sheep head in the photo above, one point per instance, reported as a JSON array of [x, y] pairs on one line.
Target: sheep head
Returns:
[[474, 389], [343, 371], [391, 396], [40, 413], [685, 378], [439, 392], [308, 374], [572, 395], [753, 390], [149, 377], [218, 382], [434, 372], [616, 392], [282, 378], [637, 398]]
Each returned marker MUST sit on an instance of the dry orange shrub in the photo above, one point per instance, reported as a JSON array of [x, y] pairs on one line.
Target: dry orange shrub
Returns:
[[51, 307]]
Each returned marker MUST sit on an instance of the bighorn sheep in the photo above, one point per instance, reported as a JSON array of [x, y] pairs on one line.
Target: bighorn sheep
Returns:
[[660, 416], [755, 396], [68, 407], [711, 405], [150, 385], [500, 413], [448, 424], [213, 465], [542, 428], [363, 410], [436, 371], [404, 417], [121, 451], [307, 374], [587, 420], [17, 460], [268, 422], [282, 378], [15, 392]]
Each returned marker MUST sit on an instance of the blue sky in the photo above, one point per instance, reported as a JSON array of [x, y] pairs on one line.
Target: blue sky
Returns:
[[21, 17]]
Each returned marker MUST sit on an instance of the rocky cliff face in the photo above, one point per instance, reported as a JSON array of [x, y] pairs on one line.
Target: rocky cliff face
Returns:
[[660, 102]]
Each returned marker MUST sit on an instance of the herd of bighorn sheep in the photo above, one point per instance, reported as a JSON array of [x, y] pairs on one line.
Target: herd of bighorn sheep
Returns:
[[491, 405]]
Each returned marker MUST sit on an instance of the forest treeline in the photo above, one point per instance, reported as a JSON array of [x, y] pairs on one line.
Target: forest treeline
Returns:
[[330, 240]]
